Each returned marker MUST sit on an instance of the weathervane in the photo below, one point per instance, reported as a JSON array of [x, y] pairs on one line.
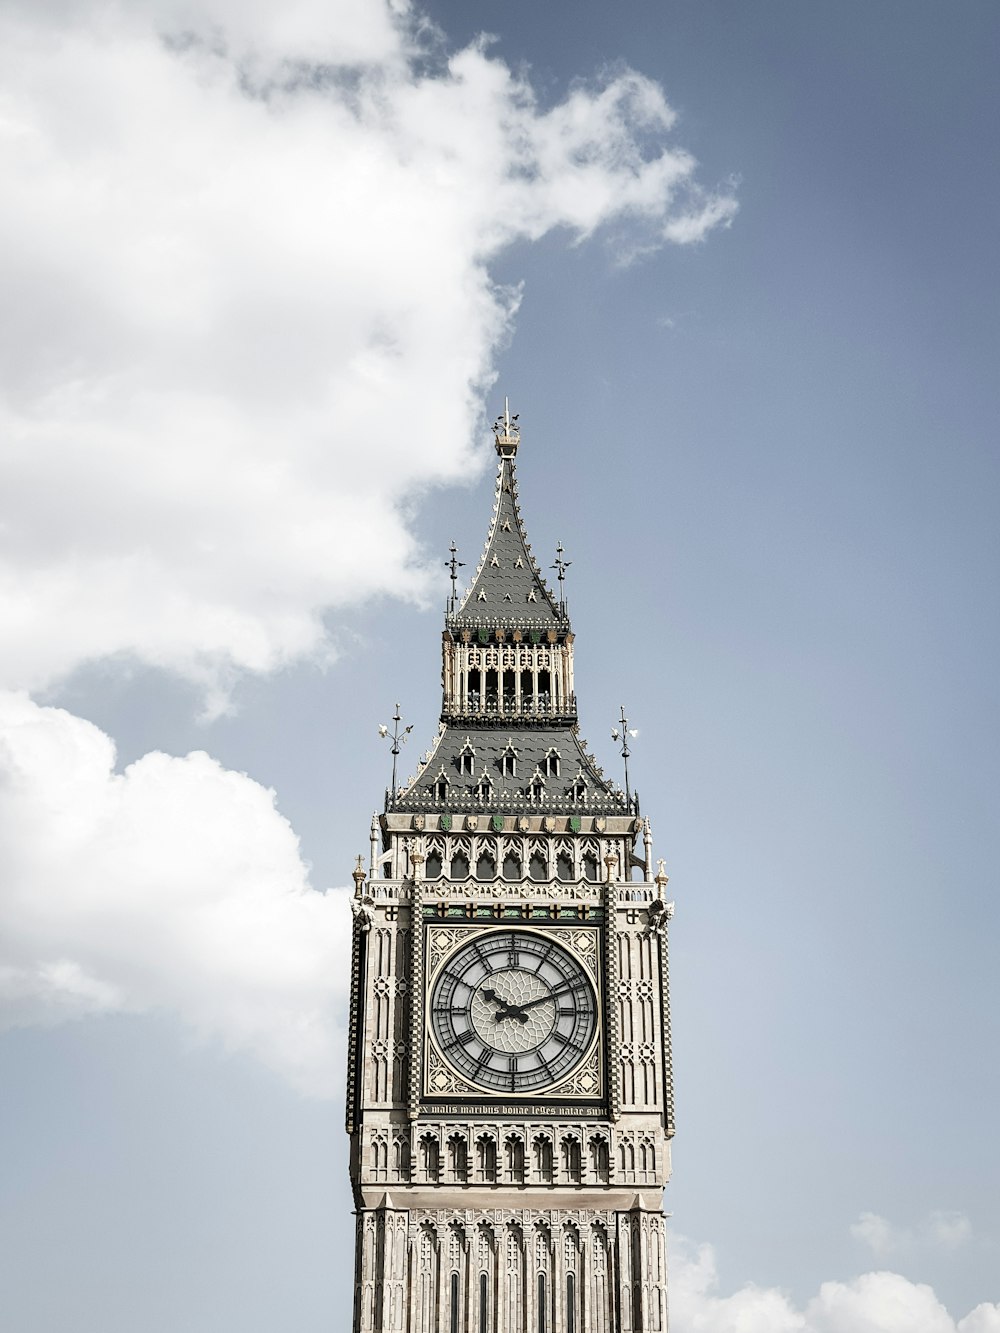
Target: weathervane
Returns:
[[561, 567], [622, 735], [454, 565], [398, 738]]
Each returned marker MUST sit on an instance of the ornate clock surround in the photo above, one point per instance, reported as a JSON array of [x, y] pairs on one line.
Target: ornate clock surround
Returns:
[[585, 1082]]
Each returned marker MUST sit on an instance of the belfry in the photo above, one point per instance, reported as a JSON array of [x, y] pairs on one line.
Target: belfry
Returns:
[[509, 1095]]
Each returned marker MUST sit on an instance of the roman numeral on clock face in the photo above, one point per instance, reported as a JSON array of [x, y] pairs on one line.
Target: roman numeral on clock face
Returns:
[[462, 1039], [564, 1040]]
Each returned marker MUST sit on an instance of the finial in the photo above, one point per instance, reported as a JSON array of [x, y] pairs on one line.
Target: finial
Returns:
[[561, 567], [358, 874], [398, 738], [662, 878], [454, 565], [506, 432], [622, 733]]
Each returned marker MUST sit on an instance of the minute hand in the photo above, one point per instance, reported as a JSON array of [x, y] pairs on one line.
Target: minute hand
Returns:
[[543, 999]]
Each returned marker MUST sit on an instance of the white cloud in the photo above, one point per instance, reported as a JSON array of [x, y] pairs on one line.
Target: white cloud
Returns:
[[252, 307], [173, 887], [875, 1232], [939, 1230], [873, 1303]]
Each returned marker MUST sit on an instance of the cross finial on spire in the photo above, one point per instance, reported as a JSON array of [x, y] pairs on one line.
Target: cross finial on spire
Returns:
[[398, 739], [561, 567], [621, 733], [506, 432], [454, 565]]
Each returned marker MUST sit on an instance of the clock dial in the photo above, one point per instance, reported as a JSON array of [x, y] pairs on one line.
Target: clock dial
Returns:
[[512, 1011]]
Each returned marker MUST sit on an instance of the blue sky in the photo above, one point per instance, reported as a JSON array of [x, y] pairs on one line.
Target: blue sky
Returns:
[[260, 331]]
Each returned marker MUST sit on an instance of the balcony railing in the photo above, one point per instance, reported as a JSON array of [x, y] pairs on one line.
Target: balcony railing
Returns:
[[477, 704]]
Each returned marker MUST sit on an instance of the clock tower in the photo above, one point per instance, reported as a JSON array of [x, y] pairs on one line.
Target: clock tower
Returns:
[[509, 1095]]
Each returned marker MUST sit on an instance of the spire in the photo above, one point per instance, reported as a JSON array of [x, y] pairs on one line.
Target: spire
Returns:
[[508, 586]]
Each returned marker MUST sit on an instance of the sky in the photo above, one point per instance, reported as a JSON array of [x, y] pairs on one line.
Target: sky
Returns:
[[268, 274]]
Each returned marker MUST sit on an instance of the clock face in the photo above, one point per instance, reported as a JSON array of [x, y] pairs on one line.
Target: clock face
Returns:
[[513, 1011]]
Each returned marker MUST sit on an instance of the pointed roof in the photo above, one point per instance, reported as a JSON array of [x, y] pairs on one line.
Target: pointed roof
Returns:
[[530, 746], [508, 586]]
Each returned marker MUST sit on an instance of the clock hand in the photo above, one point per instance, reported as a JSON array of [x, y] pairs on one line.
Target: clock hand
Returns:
[[542, 999], [505, 1008]]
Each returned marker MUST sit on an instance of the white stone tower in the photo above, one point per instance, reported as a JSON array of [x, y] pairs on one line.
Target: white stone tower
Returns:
[[510, 1099]]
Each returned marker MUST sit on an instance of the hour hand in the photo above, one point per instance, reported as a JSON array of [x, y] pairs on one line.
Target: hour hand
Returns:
[[490, 994]]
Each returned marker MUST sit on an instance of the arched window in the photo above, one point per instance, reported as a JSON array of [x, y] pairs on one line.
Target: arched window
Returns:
[[564, 866], [486, 866], [440, 787], [459, 865], [466, 760], [483, 1303], [514, 1159], [542, 1148], [429, 1156], [527, 698], [486, 1159], [454, 1303], [571, 1163], [458, 1155], [570, 1303], [599, 1160], [590, 867], [433, 865], [509, 696], [537, 868], [512, 865], [492, 691], [550, 764], [508, 762], [542, 1312], [544, 691]]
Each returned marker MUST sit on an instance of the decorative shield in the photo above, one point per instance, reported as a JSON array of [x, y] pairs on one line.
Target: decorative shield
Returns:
[[574, 823], [496, 823], [484, 635], [600, 823], [472, 822], [445, 823], [549, 824], [523, 824], [418, 823]]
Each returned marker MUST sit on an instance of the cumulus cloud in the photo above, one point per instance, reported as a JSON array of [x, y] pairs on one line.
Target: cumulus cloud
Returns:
[[173, 887], [246, 249], [873, 1303], [939, 1230]]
